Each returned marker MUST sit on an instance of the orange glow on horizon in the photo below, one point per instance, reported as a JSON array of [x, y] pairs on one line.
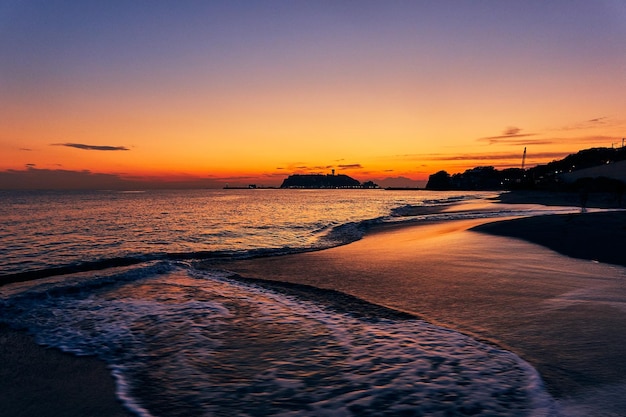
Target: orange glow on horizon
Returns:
[[393, 91]]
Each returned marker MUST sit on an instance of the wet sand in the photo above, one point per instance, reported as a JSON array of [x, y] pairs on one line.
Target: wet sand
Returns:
[[565, 316]]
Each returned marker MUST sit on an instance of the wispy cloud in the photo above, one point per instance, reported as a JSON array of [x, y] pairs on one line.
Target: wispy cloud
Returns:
[[477, 157], [92, 147], [603, 121], [300, 167], [350, 166], [273, 175], [25, 149], [519, 140], [595, 140], [512, 135], [473, 157], [303, 168], [490, 157], [448, 157]]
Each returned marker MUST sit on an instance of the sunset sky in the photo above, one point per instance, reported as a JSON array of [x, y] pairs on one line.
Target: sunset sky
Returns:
[[238, 92]]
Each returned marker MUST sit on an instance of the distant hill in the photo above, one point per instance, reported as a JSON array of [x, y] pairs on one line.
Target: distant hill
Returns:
[[614, 170], [400, 182], [598, 169], [320, 181]]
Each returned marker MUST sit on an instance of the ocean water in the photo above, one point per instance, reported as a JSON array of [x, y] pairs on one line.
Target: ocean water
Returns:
[[119, 280]]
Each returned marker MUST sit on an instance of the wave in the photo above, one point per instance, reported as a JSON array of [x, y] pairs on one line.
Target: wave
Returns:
[[84, 283], [322, 238], [185, 341]]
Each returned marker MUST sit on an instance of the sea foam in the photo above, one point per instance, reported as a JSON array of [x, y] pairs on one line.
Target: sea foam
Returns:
[[185, 342]]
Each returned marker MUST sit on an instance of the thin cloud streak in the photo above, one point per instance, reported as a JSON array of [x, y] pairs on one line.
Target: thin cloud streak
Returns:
[[350, 166], [478, 157], [511, 135], [301, 168], [596, 122], [493, 157], [516, 140], [92, 147], [600, 140]]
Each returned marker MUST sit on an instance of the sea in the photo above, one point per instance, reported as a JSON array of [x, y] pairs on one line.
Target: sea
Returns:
[[121, 276]]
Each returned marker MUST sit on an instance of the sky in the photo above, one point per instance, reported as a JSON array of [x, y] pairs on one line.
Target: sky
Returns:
[[207, 93]]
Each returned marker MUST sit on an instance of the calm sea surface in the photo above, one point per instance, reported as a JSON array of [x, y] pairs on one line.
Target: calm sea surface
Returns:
[[184, 341], [40, 230]]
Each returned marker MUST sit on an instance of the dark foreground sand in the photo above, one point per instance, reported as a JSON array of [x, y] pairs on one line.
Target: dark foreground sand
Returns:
[[595, 236], [36, 381], [40, 382], [554, 198]]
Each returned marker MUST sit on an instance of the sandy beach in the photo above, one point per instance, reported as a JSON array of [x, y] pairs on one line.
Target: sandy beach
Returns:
[[519, 295], [466, 275]]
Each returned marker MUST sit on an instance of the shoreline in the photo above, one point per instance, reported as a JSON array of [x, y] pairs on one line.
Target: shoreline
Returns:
[[522, 321], [85, 383]]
